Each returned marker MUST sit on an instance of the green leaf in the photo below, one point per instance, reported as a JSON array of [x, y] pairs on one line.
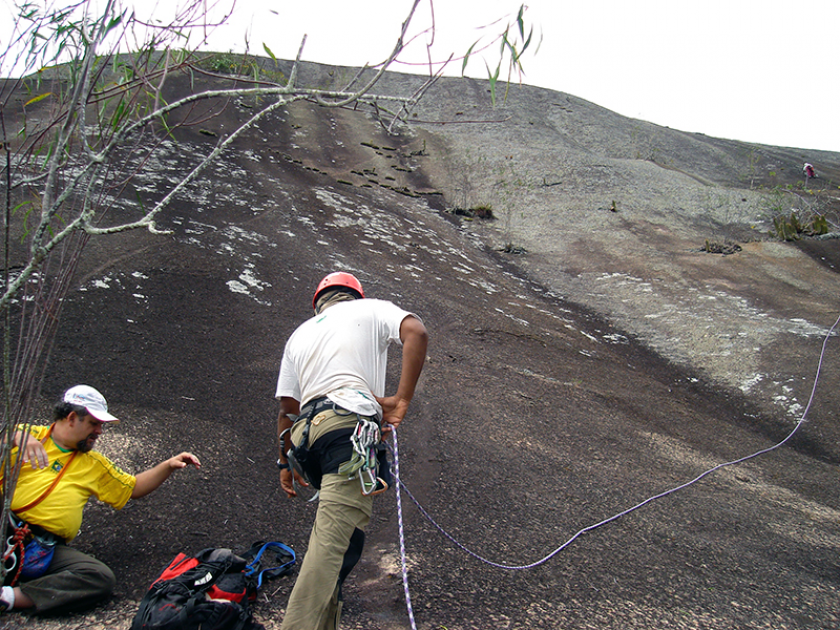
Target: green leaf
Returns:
[[120, 113], [270, 54], [514, 55], [527, 41], [467, 58], [41, 97], [20, 205], [493, 77], [116, 21], [496, 74]]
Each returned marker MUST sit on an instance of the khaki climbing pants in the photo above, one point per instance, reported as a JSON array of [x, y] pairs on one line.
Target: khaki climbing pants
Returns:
[[335, 543]]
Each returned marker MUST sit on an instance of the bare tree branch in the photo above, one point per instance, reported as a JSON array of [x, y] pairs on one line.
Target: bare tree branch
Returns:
[[93, 118]]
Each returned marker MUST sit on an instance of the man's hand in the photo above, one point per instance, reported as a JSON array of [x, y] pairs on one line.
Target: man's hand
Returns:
[[183, 460], [287, 479], [150, 480], [34, 452], [393, 411]]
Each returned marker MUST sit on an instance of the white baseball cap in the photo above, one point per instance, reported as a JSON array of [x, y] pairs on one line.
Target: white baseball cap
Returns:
[[87, 397]]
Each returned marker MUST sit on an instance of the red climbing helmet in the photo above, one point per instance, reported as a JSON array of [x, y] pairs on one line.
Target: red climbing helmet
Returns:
[[338, 279]]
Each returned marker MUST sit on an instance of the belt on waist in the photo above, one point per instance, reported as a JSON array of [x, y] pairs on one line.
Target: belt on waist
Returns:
[[316, 406], [36, 531]]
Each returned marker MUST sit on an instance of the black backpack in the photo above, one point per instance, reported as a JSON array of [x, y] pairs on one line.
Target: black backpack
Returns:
[[211, 590]]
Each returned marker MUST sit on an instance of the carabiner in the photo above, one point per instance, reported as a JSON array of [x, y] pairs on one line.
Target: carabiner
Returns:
[[9, 555], [375, 485]]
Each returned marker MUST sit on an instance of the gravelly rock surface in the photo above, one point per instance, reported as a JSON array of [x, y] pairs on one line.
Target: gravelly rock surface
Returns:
[[607, 362]]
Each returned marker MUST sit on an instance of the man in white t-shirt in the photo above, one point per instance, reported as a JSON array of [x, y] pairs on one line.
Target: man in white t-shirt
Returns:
[[332, 380]]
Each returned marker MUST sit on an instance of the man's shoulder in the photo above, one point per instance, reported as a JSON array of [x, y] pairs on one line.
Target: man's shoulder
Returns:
[[375, 304], [340, 310], [343, 313], [361, 304], [99, 458], [374, 308], [38, 431]]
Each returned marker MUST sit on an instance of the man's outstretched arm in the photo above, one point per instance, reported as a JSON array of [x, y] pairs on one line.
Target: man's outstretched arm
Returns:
[[150, 480]]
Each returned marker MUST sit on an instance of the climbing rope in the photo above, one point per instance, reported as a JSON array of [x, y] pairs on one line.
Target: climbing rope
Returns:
[[15, 544], [402, 531], [585, 530]]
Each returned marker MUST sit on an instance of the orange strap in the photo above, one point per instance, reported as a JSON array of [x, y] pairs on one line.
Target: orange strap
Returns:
[[46, 493]]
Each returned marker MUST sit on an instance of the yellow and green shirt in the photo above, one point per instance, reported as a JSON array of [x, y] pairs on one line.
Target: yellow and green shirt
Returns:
[[90, 473]]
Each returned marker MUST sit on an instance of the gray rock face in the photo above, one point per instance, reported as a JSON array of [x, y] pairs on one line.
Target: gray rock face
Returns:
[[604, 358]]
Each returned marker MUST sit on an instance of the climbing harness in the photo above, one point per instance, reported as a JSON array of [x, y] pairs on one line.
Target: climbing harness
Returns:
[[366, 438], [363, 464], [284, 559], [15, 544], [31, 551], [299, 456]]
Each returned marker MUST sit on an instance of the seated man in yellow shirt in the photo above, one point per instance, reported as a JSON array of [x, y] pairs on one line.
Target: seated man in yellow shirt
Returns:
[[60, 471]]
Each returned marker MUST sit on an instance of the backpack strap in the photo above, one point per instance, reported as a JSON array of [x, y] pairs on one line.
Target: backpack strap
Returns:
[[283, 554], [58, 477]]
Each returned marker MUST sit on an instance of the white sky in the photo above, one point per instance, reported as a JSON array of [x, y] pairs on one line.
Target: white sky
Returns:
[[754, 70]]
